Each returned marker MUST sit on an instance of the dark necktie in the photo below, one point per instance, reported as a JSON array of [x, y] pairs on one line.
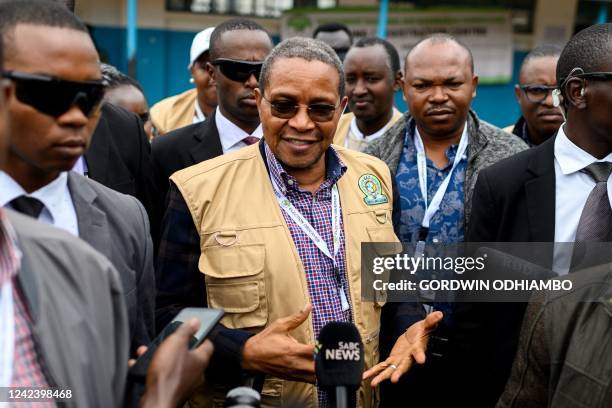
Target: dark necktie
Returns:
[[27, 205], [595, 223], [249, 140]]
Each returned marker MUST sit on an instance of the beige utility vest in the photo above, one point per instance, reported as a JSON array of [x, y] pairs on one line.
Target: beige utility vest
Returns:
[[252, 268]]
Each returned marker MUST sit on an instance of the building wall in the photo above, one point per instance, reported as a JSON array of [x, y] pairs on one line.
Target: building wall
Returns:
[[164, 39]]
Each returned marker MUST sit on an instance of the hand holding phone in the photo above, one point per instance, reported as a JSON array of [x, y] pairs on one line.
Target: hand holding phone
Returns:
[[208, 318]]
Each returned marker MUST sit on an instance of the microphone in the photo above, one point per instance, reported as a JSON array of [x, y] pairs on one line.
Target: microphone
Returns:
[[339, 361], [242, 397]]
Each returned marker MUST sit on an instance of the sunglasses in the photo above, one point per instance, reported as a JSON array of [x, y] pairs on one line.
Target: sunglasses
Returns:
[[54, 96], [318, 112], [537, 93], [237, 70]]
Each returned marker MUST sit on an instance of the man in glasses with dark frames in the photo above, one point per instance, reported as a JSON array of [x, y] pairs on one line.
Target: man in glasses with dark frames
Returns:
[[275, 232], [540, 118], [237, 50], [559, 191], [54, 68]]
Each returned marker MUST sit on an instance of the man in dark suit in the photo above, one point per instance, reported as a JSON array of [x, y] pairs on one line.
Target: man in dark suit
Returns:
[[237, 50], [555, 192], [50, 125]]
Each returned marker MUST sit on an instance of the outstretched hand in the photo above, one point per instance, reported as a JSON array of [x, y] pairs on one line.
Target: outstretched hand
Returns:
[[409, 347], [274, 351]]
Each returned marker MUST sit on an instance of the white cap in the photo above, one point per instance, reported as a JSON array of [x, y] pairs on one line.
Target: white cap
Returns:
[[200, 44]]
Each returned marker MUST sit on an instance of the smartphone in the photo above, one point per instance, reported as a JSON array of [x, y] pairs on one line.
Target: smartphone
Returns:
[[208, 319]]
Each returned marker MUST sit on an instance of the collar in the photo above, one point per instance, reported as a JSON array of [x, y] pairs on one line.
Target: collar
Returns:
[[358, 134], [412, 132], [334, 168], [520, 129], [10, 256], [199, 115], [570, 157], [229, 133], [52, 195]]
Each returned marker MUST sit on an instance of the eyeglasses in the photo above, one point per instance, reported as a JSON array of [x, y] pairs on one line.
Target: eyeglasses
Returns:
[[54, 96], [237, 70], [537, 93], [318, 112], [598, 76]]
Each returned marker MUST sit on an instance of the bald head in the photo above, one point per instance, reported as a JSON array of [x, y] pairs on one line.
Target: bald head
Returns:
[[444, 41]]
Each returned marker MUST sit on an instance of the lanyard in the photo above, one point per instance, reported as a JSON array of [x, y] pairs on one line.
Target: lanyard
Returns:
[[312, 233], [434, 205]]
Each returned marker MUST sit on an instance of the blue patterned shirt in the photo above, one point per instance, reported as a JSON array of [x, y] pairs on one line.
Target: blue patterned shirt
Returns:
[[447, 224]]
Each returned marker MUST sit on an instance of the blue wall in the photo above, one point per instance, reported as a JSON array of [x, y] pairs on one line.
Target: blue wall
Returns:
[[162, 61]]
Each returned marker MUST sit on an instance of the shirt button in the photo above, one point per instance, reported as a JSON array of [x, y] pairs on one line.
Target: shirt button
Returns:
[[439, 174], [290, 182]]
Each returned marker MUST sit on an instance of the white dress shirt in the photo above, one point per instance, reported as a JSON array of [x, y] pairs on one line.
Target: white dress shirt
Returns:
[[199, 115], [59, 208], [356, 140], [231, 135], [81, 167], [572, 187]]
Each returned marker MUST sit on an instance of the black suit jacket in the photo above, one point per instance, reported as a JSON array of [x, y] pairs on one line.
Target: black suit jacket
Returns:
[[514, 201], [182, 148], [119, 156]]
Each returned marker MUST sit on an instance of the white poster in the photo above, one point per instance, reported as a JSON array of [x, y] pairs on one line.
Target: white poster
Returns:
[[487, 33]]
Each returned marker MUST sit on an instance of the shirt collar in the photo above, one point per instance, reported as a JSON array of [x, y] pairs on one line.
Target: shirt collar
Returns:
[[358, 134], [570, 157], [229, 133], [412, 131], [52, 195], [199, 115], [10, 256], [334, 168]]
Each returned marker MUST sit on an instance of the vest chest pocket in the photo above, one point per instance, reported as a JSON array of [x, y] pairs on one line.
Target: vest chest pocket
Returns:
[[235, 282]]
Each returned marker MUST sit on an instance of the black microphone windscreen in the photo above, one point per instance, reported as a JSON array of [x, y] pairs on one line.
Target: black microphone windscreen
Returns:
[[339, 358]]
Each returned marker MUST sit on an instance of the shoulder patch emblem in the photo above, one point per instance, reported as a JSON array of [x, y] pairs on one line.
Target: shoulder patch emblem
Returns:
[[371, 186]]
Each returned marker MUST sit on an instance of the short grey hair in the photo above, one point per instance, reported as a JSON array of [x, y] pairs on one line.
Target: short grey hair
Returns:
[[307, 49]]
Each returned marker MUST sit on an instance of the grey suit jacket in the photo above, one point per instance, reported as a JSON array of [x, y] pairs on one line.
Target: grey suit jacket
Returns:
[[117, 226], [79, 320]]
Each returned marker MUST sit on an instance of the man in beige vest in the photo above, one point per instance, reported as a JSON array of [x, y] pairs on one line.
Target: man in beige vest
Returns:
[[193, 105], [373, 75], [272, 234]]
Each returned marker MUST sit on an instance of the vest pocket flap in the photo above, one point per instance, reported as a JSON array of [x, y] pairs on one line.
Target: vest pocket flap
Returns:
[[233, 261], [234, 297], [387, 242]]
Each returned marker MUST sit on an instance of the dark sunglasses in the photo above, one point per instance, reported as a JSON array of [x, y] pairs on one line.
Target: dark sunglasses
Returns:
[[238, 71], [318, 112], [54, 96], [537, 93]]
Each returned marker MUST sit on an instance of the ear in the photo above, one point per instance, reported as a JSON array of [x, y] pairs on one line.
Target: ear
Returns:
[[517, 93], [398, 82], [474, 85], [576, 93], [213, 74], [258, 98]]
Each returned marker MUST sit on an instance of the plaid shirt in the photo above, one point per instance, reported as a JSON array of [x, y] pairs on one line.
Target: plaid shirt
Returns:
[[28, 369], [324, 281]]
